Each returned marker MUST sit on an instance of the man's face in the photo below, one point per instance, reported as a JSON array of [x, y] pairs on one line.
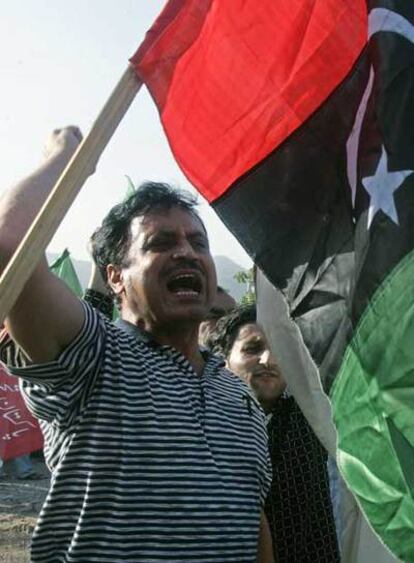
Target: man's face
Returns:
[[250, 358], [171, 275]]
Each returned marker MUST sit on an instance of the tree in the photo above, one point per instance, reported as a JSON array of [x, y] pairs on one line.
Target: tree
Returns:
[[246, 277]]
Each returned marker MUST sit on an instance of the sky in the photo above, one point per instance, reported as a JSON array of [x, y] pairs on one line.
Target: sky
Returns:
[[59, 62]]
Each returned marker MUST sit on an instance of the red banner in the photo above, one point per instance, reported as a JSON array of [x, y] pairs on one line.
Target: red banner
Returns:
[[20, 433]]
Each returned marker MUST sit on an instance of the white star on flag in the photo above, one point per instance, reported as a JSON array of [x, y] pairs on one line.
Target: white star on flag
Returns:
[[381, 188]]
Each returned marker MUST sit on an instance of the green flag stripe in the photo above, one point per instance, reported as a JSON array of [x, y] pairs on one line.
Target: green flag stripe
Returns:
[[373, 407]]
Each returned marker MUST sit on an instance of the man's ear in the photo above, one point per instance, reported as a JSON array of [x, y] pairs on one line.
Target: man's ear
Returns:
[[115, 279]]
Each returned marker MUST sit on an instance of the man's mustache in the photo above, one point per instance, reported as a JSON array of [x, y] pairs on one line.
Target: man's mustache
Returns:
[[275, 372], [184, 264]]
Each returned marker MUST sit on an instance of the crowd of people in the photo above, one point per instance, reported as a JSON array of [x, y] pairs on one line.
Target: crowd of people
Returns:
[[171, 434]]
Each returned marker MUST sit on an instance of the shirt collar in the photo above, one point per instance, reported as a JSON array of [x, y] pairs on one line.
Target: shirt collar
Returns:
[[133, 330], [146, 337]]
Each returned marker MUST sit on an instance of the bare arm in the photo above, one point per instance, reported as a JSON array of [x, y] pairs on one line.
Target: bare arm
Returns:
[[47, 316], [265, 549]]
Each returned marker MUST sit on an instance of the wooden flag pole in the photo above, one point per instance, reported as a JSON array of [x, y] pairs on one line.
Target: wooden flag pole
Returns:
[[80, 167]]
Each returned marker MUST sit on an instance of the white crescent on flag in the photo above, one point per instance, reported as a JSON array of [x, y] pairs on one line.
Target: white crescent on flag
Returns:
[[381, 19], [378, 186], [352, 145]]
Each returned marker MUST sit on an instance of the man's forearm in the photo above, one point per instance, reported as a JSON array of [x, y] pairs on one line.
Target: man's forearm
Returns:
[[265, 547], [55, 314], [20, 205]]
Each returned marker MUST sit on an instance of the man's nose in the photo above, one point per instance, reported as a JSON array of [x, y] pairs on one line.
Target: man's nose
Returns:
[[184, 249], [266, 357]]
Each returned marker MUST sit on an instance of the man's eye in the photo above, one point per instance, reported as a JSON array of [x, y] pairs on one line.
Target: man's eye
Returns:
[[253, 349], [199, 244], [158, 245]]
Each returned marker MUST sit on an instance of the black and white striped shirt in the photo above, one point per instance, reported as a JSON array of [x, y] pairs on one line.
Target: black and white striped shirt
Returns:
[[150, 462]]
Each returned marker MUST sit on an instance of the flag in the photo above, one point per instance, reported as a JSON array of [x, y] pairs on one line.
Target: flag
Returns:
[[20, 433], [130, 187], [294, 119], [64, 269], [358, 542], [282, 58], [373, 394]]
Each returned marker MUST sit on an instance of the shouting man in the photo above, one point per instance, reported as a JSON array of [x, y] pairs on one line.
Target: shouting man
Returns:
[[154, 455]]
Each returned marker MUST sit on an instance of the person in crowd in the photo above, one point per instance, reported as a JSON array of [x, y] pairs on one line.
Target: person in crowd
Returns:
[[22, 468], [98, 295], [139, 422], [298, 507], [223, 304]]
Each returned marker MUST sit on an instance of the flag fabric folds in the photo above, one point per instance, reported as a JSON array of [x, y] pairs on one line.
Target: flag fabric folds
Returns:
[[373, 394], [282, 58], [294, 118]]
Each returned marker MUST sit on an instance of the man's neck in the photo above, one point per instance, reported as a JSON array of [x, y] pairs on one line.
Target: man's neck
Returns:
[[185, 342], [268, 406], [181, 336]]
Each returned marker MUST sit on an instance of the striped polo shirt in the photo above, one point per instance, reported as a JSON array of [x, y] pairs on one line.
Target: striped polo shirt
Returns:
[[150, 462]]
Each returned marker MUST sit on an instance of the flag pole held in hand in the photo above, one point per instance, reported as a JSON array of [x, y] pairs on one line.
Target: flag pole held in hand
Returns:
[[82, 165]]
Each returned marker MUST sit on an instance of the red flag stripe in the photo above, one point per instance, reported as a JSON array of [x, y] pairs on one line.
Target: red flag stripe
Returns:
[[232, 80], [172, 34]]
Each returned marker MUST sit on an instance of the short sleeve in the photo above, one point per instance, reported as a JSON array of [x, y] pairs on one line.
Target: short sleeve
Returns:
[[57, 391], [10, 354]]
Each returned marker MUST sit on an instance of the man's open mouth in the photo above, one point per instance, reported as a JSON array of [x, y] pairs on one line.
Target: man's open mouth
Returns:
[[185, 284]]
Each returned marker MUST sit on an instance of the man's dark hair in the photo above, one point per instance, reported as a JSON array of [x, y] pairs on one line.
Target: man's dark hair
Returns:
[[227, 328], [110, 242]]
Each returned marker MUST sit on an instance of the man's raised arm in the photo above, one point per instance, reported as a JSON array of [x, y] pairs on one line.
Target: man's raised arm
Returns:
[[46, 316]]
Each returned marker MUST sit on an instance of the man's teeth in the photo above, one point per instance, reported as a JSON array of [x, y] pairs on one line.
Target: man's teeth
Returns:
[[185, 277], [185, 285]]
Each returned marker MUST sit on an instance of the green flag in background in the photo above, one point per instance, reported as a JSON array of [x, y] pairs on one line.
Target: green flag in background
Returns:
[[131, 189], [64, 269]]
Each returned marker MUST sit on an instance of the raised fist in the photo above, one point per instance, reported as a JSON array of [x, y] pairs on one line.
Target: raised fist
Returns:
[[65, 140]]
